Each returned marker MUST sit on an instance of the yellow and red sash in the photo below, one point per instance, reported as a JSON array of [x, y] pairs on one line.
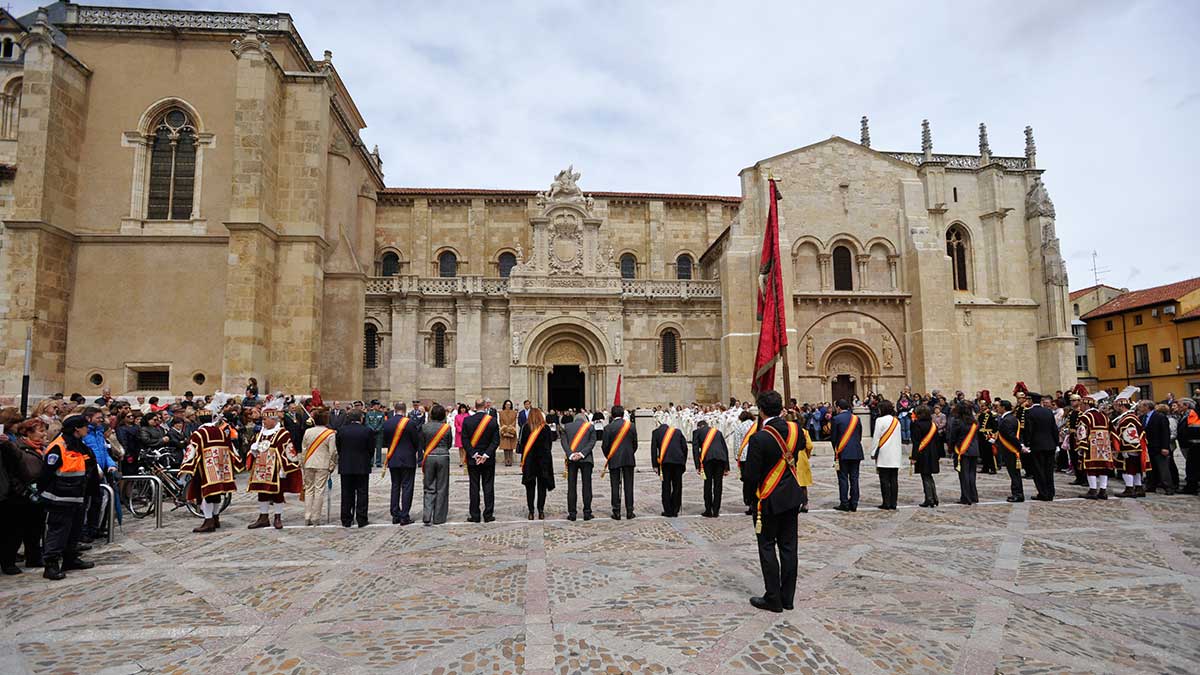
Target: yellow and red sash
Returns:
[[888, 434], [479, 429], [783, 466], [433, 442], [321, 438], [1010, 447], [966, 443], [708, 439], [746, 441], [533, 436], [580, 435], [837, 452], [662, 449], [616, 445], [395, 440], [928, 437]]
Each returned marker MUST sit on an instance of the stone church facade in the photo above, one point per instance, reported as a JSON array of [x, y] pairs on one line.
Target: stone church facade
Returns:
[[187, 203]]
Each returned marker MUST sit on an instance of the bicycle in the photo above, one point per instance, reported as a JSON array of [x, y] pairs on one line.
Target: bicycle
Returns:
[[163, 464]]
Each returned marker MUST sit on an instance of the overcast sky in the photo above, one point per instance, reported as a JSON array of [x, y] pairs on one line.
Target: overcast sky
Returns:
[[679, 96]]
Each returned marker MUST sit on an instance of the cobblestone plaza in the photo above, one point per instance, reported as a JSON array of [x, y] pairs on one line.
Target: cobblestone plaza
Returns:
[[1066, 587]]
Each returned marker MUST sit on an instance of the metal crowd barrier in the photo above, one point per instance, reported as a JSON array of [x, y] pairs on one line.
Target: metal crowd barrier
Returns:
[[112, 509], [158, 490]]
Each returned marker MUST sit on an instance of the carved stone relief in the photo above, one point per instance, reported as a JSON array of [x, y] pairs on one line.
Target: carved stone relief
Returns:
[[809, 353], [887, 350]]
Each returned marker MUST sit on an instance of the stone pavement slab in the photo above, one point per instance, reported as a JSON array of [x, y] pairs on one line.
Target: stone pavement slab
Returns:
[[1063, 587]]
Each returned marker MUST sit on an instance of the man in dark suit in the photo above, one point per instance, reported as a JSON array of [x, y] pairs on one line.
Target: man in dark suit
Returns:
[[776, 509], [1040, 435], [712, 461], [401, 441], [619, 445], [846, 436], [578, 440], [668, 455], [523, 415], [356, 450], [1008, 445], [337, 416], [1158, 445], [480, 438]]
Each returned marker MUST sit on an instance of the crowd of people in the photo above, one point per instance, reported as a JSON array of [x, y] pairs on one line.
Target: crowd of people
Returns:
[[56, 458]]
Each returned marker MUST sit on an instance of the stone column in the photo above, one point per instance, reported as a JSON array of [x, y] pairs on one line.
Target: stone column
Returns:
[[931, 334], [861, 261], [468, 366], [249, 300], [893, 274], [657, 264], [406, 343], [823, 261]]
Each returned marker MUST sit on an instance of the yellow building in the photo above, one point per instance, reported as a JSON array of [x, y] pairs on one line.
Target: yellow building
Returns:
[[1148, 338], [1083, 301]]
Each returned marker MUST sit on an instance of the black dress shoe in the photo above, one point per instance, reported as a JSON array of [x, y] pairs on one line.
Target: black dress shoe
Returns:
[[965, 502], [789, 608], [842, 507], [630, 516], [473, 519], [83, 547], [925, 504], [77, 564], [664, 514], [489, 519], [406, 521], [588, 516], [854, 508], [571, 517], [615, 516], [803, 509], [882, 507], [761, 603], [706, 513], [11, 570], [1014, 500]]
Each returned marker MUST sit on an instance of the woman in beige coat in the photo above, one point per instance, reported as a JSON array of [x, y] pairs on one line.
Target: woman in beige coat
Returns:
[[318, 461], [508, 431]]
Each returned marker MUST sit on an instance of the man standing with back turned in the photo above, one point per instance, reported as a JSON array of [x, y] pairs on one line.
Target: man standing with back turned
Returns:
[[480, 439], [846, 433], [770, 465]]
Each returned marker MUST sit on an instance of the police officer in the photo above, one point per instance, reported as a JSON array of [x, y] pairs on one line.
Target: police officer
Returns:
[[67, 465]]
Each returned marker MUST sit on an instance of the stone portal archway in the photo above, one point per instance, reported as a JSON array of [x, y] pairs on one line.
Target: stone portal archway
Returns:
[[849, 367], [565, 364]]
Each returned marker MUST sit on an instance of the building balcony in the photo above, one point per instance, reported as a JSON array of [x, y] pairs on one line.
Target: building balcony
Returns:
[[667, 289]]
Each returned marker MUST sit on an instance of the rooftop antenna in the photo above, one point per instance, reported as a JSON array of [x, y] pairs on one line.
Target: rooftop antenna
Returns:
[[1097, 271]]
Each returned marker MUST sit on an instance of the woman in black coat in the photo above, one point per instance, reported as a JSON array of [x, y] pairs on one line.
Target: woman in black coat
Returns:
[[537, 463], [960, 434], [927, 449]]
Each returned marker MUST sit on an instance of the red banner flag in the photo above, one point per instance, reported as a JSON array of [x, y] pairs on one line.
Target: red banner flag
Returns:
[[772, 335], [617, 396]]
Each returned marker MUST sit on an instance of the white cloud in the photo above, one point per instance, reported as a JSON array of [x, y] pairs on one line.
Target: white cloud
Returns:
[[679, 96]]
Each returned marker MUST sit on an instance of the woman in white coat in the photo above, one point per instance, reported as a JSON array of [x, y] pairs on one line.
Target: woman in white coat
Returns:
[[888, 455]]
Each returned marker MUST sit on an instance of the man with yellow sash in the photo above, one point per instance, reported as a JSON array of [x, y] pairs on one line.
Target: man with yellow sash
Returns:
[[319, 461], [846, 433], [711, 456], [771, 465], [963, 438], [577, 441], [619, 445], [437, 437], [402, 452], [926, 452], [1008, 446], [668, 455], [480, 440]]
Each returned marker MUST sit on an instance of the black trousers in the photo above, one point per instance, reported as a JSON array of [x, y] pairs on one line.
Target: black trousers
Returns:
[[577, 471], [1160, 471], [64, 526], [1191, 468], [617, 477], [536, 487], [966, 479], [777, 557], [889, 485], [403, 479], [21, 522], [847, 475], [1016, 486], [930, 488], [1043, 472], [672, 488], [714, 476], [354, 498], [484, 476]]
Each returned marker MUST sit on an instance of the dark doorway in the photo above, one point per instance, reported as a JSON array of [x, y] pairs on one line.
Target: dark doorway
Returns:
[[566, 388], [843, 388]]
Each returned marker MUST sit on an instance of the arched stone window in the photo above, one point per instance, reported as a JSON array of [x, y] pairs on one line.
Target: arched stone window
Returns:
[[439, 345], [628, 266], [172, 167], [959, 250], [670, 351], [843, 269], [505, 262], [447, 264], [10, 116], [370, 347], [389, 264], [683, 266]]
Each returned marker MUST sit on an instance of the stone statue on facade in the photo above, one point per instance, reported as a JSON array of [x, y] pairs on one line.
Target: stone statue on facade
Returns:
[[516, 347], [1037, 200], [564, 187]]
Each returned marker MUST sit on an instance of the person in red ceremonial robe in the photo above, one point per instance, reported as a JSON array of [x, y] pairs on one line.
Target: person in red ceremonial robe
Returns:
[[274, 469], [1129, 439], [211, 462], [1095, 448]]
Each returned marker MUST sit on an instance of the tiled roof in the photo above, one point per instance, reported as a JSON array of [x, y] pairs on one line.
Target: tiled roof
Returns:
[[1075, 295], [421, 192], [1188, 316], [1145, 298]]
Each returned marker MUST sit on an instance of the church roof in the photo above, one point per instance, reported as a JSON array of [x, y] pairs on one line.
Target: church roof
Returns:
[[484, 192], [1146, 297], [1075, 295]]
